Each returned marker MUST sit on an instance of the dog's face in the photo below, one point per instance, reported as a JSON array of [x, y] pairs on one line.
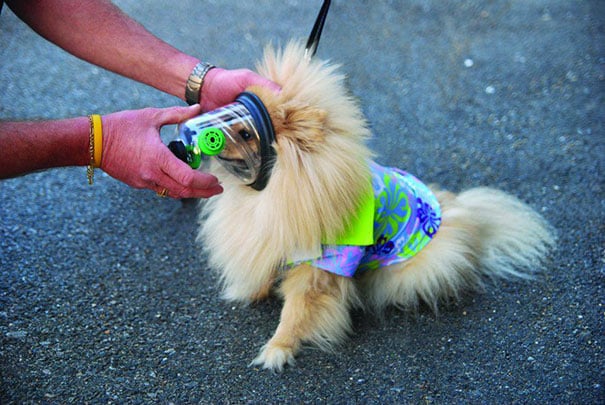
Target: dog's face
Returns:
[[243, 142], [232, 132]]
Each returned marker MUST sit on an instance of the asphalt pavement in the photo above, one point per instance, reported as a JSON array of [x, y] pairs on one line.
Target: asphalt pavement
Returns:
[[105, 297]]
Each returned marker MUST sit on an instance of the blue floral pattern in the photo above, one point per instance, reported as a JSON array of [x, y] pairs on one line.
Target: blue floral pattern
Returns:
[[406, 218]]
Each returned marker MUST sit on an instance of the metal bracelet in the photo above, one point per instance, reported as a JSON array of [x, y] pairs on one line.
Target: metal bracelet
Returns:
[[195, 82]]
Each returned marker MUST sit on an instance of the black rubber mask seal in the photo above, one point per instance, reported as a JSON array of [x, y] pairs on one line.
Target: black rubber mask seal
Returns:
[[264, 126]]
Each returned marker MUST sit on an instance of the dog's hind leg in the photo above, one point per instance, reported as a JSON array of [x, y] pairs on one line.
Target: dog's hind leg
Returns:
[[485, 234], [316, 309], [436, 275]]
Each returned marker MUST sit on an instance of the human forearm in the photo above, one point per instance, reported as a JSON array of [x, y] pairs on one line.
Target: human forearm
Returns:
[[37, 145], [99, 32], [132, 150]]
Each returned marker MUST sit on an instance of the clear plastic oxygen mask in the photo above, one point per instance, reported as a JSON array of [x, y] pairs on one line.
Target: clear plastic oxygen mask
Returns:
[[239, 136]]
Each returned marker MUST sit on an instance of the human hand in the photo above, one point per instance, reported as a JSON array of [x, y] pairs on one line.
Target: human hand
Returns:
[[222, 86], [134, 153]]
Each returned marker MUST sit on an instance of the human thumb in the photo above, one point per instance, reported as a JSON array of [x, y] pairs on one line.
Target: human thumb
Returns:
[[176, 115]]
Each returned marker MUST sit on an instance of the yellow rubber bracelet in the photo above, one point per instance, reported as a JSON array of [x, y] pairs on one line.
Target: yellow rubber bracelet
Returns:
[[97, 128]]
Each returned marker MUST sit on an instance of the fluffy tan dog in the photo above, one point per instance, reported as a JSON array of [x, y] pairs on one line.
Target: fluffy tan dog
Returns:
[[321, 176]]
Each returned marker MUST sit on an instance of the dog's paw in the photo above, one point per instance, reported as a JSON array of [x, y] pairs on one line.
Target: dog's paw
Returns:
[[274, 358]]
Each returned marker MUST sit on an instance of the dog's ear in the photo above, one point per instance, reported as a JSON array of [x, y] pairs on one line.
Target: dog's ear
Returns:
[[300, 123]]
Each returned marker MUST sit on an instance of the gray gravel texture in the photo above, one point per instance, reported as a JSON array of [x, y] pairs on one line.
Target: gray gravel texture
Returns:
[[104, 297]]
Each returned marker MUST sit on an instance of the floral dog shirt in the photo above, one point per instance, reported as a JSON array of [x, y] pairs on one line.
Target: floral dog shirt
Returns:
[[396, 222]]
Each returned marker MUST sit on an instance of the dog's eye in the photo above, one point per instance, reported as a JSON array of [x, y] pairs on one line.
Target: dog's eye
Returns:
[[245, 135]]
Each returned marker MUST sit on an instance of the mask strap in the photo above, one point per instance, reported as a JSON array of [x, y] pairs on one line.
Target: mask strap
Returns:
[[313, 40]]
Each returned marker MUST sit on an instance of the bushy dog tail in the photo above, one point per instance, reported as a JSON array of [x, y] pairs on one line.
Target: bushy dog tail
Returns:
[[512, 238], [487, 233], [484, 234]]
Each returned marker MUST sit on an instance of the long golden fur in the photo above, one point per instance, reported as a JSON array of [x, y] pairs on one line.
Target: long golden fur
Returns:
[[319, 175]]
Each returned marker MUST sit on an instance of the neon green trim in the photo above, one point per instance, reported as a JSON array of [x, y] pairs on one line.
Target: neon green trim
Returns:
[[360, 231]]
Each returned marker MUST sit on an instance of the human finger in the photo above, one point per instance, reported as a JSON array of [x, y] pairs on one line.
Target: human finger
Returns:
[[185, 182], [176, 115]]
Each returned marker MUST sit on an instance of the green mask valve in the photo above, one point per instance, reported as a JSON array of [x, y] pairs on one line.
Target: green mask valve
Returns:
[[211, 141]]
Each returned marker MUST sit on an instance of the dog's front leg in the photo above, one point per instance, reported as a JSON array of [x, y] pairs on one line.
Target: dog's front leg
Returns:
[[316, 309]]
